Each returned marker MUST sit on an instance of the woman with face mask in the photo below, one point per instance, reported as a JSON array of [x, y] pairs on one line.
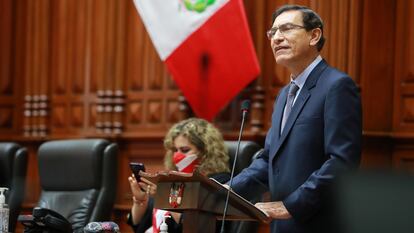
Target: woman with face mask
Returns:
[[192, 144]]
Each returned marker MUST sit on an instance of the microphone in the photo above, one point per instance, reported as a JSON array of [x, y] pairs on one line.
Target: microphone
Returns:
[[245, 106]]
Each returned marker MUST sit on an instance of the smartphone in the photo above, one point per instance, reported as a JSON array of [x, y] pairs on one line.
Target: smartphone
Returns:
[[135, 168]]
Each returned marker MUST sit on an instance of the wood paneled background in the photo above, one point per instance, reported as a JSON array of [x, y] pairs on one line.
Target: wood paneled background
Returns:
[[87, 68]]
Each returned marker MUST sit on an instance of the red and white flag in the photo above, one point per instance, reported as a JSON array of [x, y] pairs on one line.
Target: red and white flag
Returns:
[[207, 47]]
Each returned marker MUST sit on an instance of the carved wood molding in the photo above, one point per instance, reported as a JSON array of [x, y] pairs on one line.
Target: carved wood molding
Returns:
[[110, 112], [36, 112], [404, 69]]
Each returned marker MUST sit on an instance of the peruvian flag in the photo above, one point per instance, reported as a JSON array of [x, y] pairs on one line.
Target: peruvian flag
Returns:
[[207, 47]]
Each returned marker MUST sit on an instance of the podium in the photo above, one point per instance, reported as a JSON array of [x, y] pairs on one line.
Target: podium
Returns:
[[201, 200]]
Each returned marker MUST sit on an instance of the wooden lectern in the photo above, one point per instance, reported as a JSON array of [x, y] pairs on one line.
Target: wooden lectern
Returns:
[[201, 200]]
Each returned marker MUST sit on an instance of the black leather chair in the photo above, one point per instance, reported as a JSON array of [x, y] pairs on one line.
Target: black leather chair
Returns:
[[13, 168], [78, 179], [248, 151]]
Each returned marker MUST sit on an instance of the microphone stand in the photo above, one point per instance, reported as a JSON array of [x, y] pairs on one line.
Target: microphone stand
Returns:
[[226, 204]]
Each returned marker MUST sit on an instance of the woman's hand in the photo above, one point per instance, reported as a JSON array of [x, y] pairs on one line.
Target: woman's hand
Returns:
[[147, 186], [141, 190], [140, 194]]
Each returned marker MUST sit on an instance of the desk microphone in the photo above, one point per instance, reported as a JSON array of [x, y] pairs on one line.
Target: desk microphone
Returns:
[[245, 106]]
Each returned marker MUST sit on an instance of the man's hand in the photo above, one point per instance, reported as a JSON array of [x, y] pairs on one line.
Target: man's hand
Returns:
[[275, 210]]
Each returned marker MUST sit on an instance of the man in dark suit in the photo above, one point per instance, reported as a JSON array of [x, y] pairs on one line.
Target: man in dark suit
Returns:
[[316, 129]]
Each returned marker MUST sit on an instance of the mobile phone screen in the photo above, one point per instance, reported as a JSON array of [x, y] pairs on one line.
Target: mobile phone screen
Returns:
[[135, 168]]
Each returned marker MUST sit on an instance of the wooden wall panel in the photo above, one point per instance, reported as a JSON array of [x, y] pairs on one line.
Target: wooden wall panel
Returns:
[[173, 110], [58, 119], [403, 158], [87, 68], [354, 40], [68, 81], [36, 67], [58, 40], [76, 47], [6, 30], [403, 108], [377, 152], [135, 112], [98, 58], [6, 117], [342, 33], [109, 48], [119, 80], [7, 91], [18, 58], [135, 37], [404, 70], [255, 92], [28, 126], [377, 65]]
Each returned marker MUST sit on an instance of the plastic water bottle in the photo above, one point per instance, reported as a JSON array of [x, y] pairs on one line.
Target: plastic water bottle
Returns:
[[4, 212]]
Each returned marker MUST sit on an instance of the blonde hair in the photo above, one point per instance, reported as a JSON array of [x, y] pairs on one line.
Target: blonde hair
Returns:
[[213, 154]]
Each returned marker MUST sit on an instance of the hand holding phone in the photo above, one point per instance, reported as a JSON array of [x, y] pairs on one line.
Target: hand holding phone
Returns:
[[135, 168]]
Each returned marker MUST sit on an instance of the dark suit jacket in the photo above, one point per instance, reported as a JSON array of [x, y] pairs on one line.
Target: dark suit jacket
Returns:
[[321, 139]]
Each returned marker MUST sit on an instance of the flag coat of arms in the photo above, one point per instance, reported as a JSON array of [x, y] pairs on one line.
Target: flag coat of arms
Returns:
[[207, 47]]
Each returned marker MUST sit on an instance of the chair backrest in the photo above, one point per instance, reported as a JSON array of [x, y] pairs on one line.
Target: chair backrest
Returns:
[[13, 168], [248, 151], [78, 179]]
